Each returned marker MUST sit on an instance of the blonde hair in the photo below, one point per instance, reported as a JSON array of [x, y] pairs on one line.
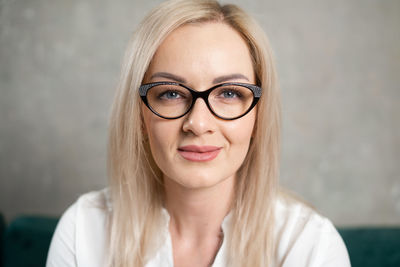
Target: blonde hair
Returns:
[[135, 180]]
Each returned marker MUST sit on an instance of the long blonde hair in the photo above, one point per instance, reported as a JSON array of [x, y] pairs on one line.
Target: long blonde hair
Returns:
[[136, 182]]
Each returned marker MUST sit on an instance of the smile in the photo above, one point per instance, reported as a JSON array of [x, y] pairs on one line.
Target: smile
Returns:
[[199, 153]]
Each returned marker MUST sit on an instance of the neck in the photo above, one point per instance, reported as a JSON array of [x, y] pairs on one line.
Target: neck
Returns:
[[197, 213]]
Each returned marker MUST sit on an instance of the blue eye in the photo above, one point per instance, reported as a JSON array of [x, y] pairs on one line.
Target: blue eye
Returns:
[[170, 95], [229, 93]]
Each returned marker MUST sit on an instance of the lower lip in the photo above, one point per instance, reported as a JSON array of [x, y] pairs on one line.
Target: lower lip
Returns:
[[199, 156]]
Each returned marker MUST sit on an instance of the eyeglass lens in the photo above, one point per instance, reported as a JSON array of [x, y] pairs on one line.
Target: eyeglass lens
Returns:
[[227, 101]]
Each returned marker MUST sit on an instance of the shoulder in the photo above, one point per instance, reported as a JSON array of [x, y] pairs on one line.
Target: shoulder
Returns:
[[89, 209], [305, 237], [82, 231], [292, 212], [93, 202]]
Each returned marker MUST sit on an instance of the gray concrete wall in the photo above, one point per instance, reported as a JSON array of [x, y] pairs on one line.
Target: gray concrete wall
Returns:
[[339, 66]]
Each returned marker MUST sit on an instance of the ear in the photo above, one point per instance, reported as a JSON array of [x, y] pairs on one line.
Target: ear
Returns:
[[144, 130], [253, 133], [142, 124]]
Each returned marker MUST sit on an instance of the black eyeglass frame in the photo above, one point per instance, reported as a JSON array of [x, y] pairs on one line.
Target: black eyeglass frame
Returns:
[[256, 90]]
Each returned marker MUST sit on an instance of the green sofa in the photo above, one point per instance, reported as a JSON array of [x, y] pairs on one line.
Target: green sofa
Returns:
[[26, 241], [27, 238], [372, 246]]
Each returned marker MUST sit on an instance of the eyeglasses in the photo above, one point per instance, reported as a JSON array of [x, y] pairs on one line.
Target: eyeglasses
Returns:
[[228, 101]]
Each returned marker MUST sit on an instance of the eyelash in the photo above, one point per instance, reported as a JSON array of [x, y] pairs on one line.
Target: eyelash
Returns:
[[163, 94], [236, 92]]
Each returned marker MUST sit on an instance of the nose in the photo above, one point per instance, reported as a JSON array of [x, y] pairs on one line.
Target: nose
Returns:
[[199, 120]]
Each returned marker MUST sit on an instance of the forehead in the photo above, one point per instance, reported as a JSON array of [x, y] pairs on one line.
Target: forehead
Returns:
[[201, 52]]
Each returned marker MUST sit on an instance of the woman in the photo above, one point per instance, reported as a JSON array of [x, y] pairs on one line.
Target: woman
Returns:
[[193, 156]]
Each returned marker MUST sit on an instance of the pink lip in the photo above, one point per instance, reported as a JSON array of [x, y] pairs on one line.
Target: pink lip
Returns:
[[199, 153]]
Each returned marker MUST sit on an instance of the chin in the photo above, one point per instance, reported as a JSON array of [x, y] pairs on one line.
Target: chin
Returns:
[[200, 181], [197, 184]]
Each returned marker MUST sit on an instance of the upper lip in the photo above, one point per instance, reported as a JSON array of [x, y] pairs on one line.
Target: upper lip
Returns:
[[201, 149]]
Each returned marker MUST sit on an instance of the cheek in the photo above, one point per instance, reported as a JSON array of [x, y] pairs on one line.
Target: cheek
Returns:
[[240, 131], [162, 135]]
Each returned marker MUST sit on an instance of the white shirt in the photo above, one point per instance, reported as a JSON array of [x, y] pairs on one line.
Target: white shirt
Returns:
[[304, 238]]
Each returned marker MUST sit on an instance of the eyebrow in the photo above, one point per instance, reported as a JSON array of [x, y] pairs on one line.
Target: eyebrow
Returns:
[[230, 77], [180, 79], [168, 76]]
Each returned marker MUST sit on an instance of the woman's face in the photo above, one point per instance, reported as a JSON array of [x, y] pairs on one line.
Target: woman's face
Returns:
[[200, 150]]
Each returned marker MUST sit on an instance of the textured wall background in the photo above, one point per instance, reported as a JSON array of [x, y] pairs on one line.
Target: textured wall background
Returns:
[[339, 66]]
